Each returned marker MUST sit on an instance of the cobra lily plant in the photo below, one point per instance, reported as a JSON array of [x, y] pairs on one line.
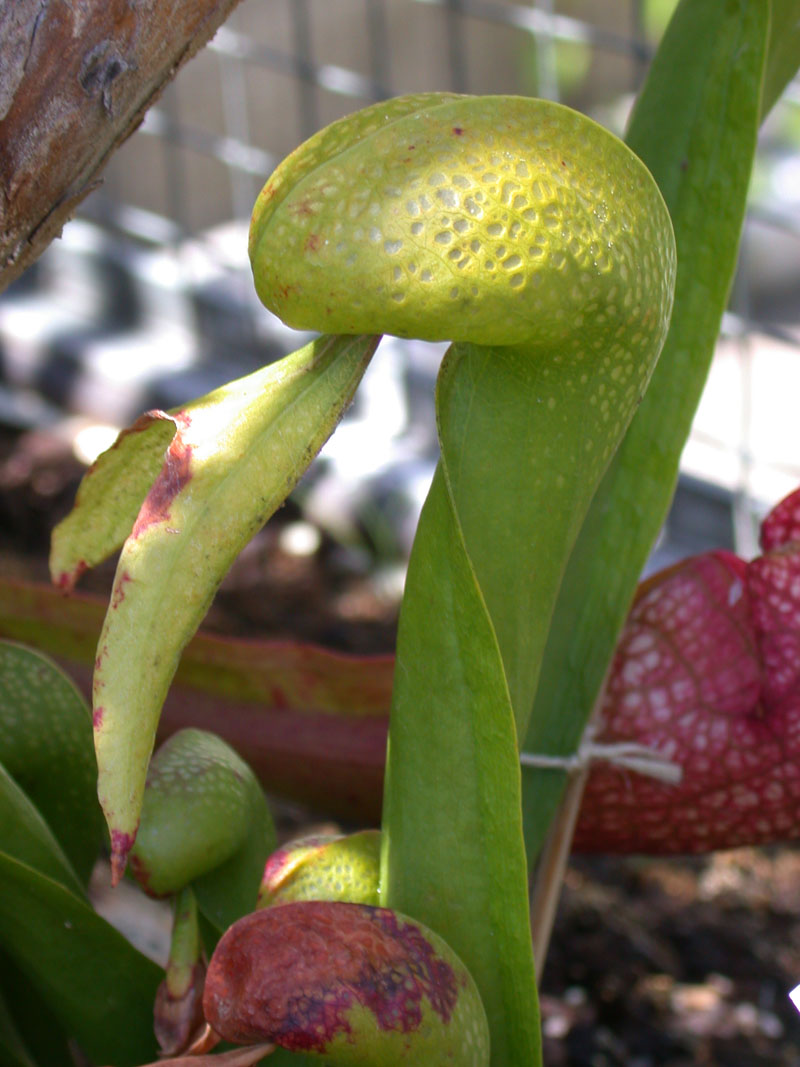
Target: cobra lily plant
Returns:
[[581, 281]]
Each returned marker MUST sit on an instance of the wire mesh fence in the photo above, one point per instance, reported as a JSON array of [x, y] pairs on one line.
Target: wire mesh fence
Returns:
[[147, 300]]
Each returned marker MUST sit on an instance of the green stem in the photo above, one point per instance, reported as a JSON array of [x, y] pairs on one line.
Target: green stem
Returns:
[[697, 133]]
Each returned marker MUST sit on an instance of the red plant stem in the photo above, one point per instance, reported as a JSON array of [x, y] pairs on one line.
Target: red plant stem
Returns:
[[552, 867], [552, 864]]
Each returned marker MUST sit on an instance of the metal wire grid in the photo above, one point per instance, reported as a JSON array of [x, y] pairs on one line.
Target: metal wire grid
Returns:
[[272, 76], [280, 69]]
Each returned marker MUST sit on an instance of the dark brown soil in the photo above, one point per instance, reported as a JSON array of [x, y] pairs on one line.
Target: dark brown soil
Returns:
[[654, 963], [676, 962]]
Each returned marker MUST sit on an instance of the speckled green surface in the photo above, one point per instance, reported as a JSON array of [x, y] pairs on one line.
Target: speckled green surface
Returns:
[[474, 219], [197, 806], [324, 868], [46, 746]]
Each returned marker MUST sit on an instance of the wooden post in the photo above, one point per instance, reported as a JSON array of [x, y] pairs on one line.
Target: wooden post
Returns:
[[76, 78]]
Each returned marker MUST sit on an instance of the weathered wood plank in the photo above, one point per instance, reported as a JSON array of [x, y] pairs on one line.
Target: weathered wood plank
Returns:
[[76, 78]]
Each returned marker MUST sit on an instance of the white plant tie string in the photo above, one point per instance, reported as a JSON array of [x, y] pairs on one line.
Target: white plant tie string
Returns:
[[628, 755]]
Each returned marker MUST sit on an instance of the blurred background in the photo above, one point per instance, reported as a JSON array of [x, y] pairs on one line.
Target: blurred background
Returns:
[[147, 301]]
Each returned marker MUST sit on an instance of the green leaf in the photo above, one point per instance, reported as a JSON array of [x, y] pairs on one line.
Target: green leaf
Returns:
[[109, 497], [13, 1052], [233, 461], [231, 890], [697, 133], [783, 57], [26, 836], [493, 540], [46, 746], [98, 986], [206, 824], [452, 804], [526, 431], [42, 1034]]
